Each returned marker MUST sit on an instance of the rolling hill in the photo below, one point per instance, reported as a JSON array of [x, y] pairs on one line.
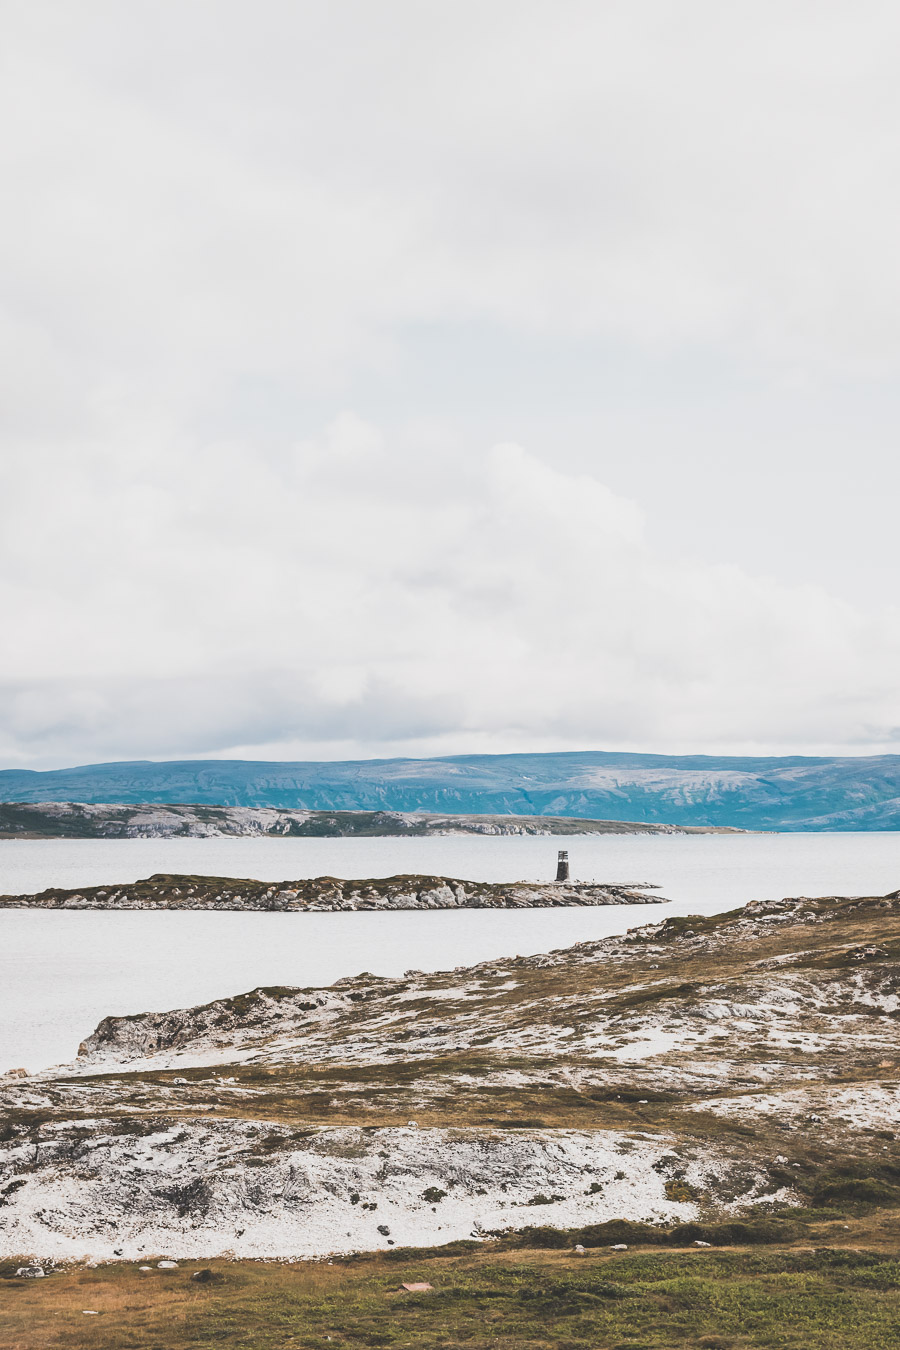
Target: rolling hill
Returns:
[[778, 793]]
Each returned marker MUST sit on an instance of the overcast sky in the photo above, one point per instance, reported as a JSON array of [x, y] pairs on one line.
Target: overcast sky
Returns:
[[412, 377]]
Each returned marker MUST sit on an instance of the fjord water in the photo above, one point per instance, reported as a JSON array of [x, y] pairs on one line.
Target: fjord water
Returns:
[[61, 972]]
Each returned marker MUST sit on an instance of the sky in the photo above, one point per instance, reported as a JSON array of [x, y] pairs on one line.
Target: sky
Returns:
[[422, 378]]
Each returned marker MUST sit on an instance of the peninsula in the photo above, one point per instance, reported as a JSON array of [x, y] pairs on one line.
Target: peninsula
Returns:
[[696, 1081], [154, 820]]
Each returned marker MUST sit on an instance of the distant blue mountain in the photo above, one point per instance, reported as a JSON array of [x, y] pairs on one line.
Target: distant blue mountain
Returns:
[[797, 793]]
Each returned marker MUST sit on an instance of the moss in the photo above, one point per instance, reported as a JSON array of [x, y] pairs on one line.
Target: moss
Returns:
[[638, 998], [618, 1092], [884, 952], [855, 1190], [459, 1247], [750, 1232], [698, 924], [243, 1004], [680, 1192]]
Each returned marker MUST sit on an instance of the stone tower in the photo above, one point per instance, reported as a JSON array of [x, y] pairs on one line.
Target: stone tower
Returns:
[[562, 865]]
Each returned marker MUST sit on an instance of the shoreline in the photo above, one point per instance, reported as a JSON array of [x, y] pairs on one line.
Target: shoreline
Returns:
[[152, 820]]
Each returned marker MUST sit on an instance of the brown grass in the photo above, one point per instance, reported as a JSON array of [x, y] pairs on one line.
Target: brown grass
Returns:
[[806, 1296]]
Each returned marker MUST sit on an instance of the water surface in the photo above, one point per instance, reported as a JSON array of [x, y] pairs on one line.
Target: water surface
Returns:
[[61, 972]]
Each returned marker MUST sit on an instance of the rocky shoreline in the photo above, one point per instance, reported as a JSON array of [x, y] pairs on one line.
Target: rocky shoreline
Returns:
[[690, 1071], [331, 894]]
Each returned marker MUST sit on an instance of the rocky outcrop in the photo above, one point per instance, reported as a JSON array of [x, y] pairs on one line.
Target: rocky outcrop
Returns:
[[206, 1188], [690, 1068], [328, 894]]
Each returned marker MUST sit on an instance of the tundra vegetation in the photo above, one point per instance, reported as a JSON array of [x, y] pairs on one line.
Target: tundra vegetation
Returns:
[[683, 1136]]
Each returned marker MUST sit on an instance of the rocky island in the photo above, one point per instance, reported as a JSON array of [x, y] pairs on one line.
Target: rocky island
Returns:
[[696, 1081], [325, 894]]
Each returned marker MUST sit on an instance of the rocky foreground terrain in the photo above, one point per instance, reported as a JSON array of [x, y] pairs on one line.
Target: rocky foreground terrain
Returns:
[[328, 894], [692, 1069], [80, 820]]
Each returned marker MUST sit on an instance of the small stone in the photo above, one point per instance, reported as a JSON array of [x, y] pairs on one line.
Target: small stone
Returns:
[[619, 1247], [204, 1276], [167, 1265], [699, 1243], [579, 1249], [90, 1312], [146, 1269], [383, 1229], [30, 1273]]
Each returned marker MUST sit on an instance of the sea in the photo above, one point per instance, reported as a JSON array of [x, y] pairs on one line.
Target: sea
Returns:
[[61, 972]]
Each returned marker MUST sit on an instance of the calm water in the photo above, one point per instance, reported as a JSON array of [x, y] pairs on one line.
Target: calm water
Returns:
[[60, 973]]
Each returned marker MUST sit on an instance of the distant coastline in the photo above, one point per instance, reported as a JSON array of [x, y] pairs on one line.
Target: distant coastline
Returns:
[[683, 791], [151, 820]]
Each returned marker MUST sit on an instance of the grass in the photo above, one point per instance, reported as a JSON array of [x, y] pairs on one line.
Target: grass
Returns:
[[784, 1299]]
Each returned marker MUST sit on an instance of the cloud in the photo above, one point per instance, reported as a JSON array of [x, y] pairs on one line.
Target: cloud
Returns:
[[222, 221], [200, 194], [354, 594]]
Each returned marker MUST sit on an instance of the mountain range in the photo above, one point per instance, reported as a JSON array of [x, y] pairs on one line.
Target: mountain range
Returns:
[[773, 793]]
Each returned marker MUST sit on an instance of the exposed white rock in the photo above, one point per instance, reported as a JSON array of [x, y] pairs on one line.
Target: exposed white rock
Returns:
[[212, 1190]]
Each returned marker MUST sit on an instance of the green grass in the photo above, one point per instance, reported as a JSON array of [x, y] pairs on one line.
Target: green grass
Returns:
[[797, 1299]]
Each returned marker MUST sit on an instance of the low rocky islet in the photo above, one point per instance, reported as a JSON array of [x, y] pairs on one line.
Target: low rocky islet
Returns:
[[329, 894]]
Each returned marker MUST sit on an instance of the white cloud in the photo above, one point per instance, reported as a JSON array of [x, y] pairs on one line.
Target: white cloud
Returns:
[[220, 214], [199, 192], [354, 594]]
